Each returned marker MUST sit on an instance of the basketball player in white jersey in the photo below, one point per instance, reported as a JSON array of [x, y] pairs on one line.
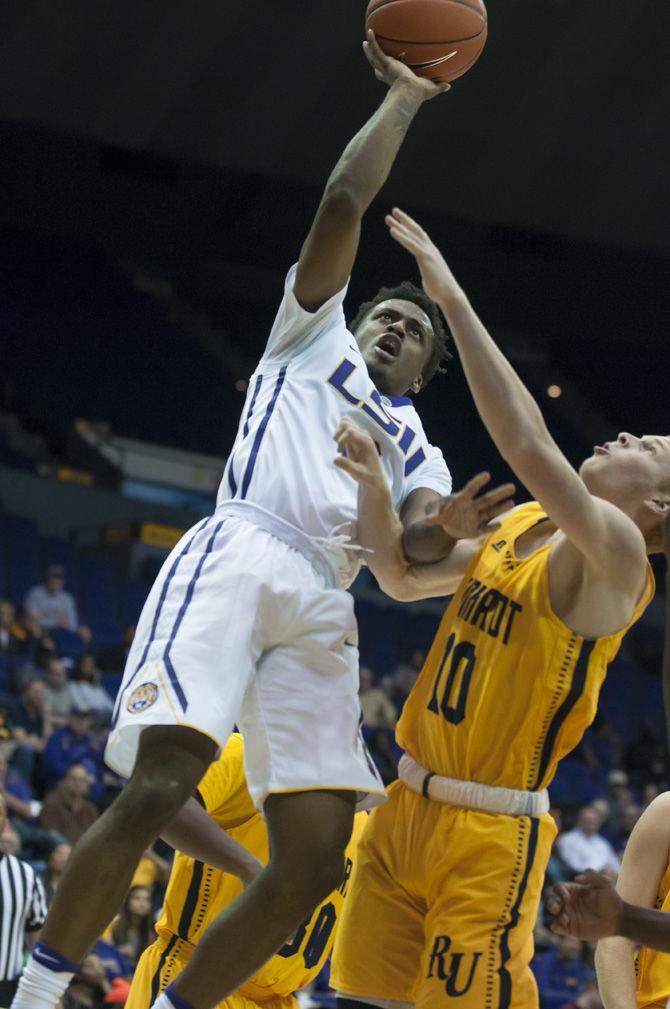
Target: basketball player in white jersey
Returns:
[[249, 620]]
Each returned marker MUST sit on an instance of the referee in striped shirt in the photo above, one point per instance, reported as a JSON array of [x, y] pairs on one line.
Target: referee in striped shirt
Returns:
[[23, 909]]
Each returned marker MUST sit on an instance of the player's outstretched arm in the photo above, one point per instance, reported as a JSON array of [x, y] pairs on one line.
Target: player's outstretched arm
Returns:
[[610, 542], [329, 251], [465, 517], [644, 863], [197, 835], [666, 645], [590, 908]]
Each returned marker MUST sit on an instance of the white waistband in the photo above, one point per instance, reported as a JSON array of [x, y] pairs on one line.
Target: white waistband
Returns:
[[315, 549], [472, 795]]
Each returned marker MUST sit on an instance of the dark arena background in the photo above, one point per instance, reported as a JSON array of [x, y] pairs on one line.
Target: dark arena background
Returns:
[[159, 168]]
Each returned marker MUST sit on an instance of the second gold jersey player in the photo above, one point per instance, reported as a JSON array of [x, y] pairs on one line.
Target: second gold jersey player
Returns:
[[197, 893]]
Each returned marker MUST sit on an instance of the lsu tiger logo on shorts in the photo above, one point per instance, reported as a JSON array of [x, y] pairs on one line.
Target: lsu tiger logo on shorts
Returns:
[[142, 698]]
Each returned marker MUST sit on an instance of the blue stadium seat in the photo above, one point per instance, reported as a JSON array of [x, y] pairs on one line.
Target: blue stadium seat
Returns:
[[22, 544], [105, 632], [134, 596], [99, 591], [111, 682], [68, 644]]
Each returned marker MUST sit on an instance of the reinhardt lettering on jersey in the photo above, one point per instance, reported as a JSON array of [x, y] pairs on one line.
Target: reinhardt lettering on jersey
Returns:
[[488, 609], [501, 643]]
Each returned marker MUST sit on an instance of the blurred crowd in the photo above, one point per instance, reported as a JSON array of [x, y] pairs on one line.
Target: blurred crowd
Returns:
[[55, 711]]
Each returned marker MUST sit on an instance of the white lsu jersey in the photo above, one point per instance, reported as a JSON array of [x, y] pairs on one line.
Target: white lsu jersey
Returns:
[[311, 375]]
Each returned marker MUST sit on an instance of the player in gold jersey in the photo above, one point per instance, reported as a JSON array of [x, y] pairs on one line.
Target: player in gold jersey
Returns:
[[643, 982], [450, 870], [197, 893]]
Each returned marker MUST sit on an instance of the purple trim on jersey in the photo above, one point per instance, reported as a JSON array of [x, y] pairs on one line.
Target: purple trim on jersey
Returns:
[[257, 389], [174, 680], [47, 957], [176, 1000], [414, 461], [232, 483], [398, 400], [261, 431], [150, 640]]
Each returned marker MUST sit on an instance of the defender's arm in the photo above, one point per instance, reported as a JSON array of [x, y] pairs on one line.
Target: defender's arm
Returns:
[[329, 251], [611, 543], [462, 519], [197, 835], [644, 863]]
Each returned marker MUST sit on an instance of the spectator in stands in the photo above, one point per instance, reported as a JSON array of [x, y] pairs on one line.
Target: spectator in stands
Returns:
[[10, 842], [55, 866], [132, 930], [55, 606], [31, 726], [618, 795], [589, 998], [36, 842], [87, 690], [9, 643], [377, 708], [151, 869], [561, 969], [629, 816], [112, 659], [118, 995], [381, 752], [89, 986], [58, 691], [67, 809], [115, 963], [74, 743], [584, 848], [649, 792], [403, 678]]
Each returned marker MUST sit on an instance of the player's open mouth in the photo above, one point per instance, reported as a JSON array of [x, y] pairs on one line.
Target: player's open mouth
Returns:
[[388, 347], [600, 450]]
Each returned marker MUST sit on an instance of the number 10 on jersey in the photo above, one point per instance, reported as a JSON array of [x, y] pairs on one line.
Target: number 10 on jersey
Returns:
[[450, 692]]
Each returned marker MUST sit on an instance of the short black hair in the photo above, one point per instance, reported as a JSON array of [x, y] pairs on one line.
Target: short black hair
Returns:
[[407, 291]]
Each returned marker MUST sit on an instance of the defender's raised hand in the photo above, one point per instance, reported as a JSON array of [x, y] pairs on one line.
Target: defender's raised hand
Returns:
[[359, 455], [438, 280], [464, 515], [589, 908], [390, 70]]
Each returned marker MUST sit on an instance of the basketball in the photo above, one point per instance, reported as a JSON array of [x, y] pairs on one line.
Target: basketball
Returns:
[[440, 39]]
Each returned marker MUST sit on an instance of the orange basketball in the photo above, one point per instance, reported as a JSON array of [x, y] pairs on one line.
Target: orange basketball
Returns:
[[440, 39]]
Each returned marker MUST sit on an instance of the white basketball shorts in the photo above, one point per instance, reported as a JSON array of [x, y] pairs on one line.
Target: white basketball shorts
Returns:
[[242, 629]]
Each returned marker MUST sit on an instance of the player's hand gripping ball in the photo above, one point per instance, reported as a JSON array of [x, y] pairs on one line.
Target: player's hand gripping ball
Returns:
[[438, 39]]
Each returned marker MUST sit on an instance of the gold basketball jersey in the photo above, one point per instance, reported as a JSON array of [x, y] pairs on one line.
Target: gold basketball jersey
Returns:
[[653, 968], [197, 893], [507, 689]]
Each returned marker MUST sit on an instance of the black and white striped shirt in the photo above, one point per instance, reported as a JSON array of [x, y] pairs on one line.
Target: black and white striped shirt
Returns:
[[23, 908]]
